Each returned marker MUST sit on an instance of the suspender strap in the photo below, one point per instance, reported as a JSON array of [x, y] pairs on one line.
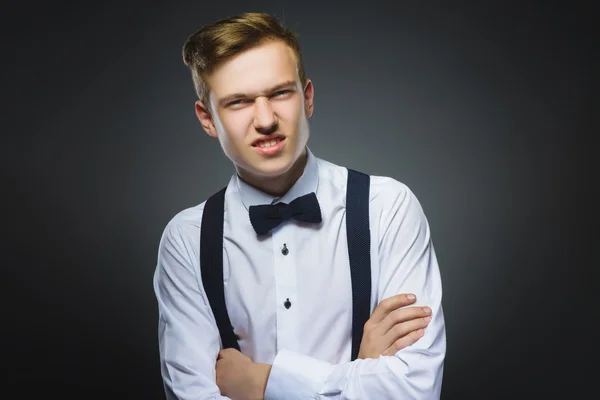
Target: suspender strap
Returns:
[[359, 251], [211, 265]]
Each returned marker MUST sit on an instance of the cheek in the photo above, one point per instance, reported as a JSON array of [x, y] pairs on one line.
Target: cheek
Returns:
[[291, 112], [234, 126]]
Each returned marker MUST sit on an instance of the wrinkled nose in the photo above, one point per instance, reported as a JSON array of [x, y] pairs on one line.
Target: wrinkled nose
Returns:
[[265, 120]]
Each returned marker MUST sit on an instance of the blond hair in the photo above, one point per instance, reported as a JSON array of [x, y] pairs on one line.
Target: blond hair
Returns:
[[222, 40]]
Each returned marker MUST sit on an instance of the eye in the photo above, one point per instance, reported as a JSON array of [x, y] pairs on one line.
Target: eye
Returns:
[[236, 102], [281, 93]]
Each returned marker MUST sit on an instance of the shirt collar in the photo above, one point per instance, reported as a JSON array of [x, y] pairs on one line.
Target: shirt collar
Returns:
[[307, 183]]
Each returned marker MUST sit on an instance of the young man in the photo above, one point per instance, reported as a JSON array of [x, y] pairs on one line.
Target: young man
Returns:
[[287, 282]]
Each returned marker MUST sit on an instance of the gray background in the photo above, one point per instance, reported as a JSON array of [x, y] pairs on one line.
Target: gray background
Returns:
[[481, 110]]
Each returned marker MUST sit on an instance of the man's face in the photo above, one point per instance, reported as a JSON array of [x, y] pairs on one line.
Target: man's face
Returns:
[[259, 110]]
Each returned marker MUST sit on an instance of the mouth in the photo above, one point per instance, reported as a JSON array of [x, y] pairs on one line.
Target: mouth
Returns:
[[269, 146], [268, 141]]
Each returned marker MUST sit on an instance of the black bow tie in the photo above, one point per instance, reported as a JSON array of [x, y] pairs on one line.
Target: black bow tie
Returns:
[[266, 217]]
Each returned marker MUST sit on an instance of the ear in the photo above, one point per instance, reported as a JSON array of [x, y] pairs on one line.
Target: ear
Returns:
[[309, 94], [205, 118]]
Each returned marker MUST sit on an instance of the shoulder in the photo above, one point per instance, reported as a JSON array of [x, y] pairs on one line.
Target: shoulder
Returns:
[[395, 208], [391, 201], [385, 192], [389, 192], [184, 226], [187, 222]]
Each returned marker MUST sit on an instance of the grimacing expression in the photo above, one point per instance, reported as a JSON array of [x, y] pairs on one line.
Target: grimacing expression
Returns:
[[257, 97]]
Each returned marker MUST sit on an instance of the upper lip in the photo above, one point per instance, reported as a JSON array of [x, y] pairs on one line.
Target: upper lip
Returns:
[[267, 138]]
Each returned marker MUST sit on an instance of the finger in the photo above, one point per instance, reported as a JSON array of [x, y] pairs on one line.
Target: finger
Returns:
[[404, 328], [402, 315], [404, 342], [389, 304], [224, 353]]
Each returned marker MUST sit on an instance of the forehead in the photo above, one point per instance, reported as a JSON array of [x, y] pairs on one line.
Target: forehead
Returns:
[[255, 70]]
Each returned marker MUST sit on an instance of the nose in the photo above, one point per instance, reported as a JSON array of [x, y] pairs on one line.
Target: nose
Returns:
[[265, 121]]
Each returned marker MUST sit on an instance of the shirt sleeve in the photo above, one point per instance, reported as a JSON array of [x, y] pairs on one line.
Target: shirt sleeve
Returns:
[[408, 265], [189, 340]]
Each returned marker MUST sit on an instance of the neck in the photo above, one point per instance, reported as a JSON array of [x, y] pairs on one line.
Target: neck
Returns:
[[277, 186]]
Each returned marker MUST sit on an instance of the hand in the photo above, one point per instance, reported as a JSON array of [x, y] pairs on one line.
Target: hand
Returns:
[[239, 378], [392, 328]]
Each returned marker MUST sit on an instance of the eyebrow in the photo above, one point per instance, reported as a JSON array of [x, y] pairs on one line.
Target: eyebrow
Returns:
[[234, 96]]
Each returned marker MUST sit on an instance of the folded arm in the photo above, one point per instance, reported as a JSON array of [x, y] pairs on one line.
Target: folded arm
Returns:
[[408, 265]]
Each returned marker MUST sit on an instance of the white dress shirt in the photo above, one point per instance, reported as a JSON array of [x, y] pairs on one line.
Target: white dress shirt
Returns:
[[309, 344]]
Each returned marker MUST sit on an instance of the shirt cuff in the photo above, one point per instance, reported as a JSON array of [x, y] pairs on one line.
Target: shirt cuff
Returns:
[[296, 376]]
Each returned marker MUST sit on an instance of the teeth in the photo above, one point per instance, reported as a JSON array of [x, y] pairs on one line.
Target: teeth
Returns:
[[268, 143]]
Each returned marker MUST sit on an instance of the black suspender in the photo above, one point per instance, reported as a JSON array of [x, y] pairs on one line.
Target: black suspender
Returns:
[[211, 265], [359, 252]]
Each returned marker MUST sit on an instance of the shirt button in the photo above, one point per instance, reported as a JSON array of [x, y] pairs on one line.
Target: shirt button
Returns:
[[287, 304], [285, 250]]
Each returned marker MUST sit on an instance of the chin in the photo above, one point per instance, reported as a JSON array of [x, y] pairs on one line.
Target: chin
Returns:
[[273, 168], [267, 168]]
